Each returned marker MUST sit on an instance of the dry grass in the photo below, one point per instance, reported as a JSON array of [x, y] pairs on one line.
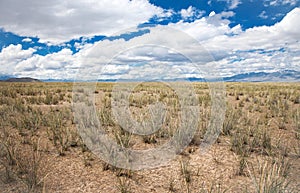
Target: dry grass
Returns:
[[258, 149]]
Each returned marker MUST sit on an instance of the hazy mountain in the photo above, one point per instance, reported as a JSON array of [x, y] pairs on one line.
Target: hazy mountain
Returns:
[[279, 76], [23, 79]]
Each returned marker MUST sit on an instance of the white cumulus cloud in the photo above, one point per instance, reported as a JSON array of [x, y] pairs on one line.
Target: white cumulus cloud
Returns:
[[186, 13], [231, 4], [263, 15], [264, 48], [59, 21], [280, 2], [13, 55], [27, 40]]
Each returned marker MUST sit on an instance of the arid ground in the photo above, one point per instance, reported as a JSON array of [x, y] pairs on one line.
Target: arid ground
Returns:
[[258, 149]]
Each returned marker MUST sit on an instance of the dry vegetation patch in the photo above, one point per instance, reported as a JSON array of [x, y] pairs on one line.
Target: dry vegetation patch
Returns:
[[258, 149]]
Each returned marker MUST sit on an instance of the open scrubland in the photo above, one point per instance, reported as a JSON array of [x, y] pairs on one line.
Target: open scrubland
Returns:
[[258, 149]]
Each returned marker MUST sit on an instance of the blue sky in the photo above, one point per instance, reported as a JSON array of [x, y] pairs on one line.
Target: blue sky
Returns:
[[50, 40]]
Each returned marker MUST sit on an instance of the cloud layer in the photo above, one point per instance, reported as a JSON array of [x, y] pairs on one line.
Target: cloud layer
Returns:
[[264, 48], [59, 21]]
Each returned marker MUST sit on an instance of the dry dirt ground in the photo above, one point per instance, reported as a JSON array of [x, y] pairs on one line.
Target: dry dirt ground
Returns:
[[258, 149]]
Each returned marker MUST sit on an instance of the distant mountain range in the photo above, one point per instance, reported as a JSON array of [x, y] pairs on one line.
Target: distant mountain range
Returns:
[[23, 79], [279, 76]]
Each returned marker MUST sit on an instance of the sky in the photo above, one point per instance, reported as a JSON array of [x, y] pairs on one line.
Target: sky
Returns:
[[132, 39]]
